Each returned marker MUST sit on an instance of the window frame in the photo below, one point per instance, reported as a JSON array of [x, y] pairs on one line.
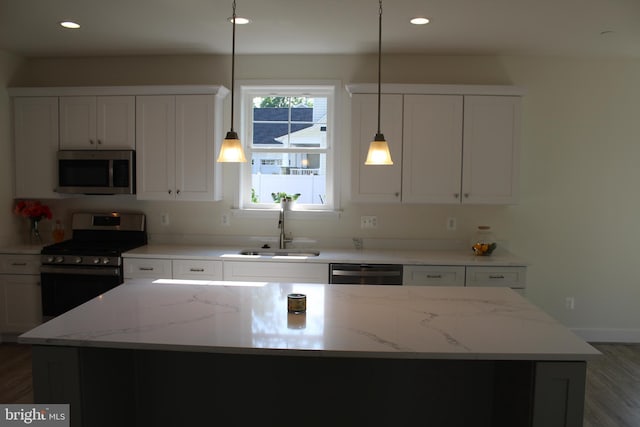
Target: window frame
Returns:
[[248, 89]]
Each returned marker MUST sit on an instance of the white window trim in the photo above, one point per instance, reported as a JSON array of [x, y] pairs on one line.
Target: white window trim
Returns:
[[329, 88]]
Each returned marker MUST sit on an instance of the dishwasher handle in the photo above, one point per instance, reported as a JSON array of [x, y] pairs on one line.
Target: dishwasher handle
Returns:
[[365, 273]]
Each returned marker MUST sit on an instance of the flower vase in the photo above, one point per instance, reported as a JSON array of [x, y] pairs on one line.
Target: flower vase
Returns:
[[34, 232]]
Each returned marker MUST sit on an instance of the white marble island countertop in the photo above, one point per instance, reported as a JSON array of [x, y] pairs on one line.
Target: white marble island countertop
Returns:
[[341, 320]]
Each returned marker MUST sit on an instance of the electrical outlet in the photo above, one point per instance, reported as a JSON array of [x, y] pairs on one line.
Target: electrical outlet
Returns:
[[369, 221], [569, 303], [225, 220], [451, 223], [164, 219]]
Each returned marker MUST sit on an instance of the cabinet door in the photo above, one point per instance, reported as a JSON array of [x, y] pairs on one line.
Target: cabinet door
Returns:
[[78, 122], [35, 127], [155, 147], [491, 149], [20, 302], [286, 272], [195, 148], [432, 150], [376, 183], [116, 122]]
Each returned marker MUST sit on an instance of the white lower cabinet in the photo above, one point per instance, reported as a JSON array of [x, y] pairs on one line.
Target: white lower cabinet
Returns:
[[147, 268], [433, 275], [197, 269], [436, 275], [20, 301], [267, 271], [512, 277]]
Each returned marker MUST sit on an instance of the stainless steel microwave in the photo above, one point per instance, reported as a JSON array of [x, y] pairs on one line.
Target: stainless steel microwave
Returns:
[[96, 172]]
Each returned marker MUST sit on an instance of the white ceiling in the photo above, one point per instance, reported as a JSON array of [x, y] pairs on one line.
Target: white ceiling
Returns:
[[608, 28]]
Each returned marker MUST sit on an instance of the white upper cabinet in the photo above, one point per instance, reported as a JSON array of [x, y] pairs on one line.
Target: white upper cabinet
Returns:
[[447, 148], [490, 163], [35, 130], [376, 183], [176, 144], [432, 150], [97, 122]]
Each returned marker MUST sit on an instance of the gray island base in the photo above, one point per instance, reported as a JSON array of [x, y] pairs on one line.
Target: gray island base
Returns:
[[168, 354]]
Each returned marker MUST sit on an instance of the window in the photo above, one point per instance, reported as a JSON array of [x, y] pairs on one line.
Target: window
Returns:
[[288, 134]]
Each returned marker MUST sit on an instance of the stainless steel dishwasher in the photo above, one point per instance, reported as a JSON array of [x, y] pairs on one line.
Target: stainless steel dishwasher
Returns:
[[365, 274]]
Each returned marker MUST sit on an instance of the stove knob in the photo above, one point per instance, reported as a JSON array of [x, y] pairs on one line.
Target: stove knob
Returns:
[[51, 259], [96, 260], [59, 260], [105, 261], [77, 260]]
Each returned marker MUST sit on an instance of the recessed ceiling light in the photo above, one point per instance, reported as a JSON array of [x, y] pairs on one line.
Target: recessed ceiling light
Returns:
[[239, 20], [70, 24], [419, 20]]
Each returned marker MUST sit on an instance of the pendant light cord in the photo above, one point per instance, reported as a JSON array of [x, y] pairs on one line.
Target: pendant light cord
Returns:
[[379, 60], [233, 60]]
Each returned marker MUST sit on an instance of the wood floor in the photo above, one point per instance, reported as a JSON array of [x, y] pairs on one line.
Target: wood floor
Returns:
[[612, 389], [15, 373]]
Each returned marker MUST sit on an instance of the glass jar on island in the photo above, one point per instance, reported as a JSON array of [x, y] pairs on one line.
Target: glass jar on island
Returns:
[[483, 243]]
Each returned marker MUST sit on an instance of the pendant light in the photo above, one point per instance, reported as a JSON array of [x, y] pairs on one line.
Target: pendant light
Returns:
[[231, 150], [378, 148]]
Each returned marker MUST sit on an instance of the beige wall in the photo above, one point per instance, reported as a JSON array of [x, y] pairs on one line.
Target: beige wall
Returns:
[[9, 224], [577, 220]]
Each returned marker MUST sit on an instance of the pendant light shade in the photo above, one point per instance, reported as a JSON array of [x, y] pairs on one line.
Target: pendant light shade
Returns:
[[379, 153], [231, 150]]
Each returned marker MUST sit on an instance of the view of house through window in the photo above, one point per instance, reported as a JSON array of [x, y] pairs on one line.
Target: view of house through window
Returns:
[[288, 148]]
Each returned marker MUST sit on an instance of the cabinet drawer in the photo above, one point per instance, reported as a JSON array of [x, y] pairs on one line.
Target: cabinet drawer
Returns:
[[20, 264], [147, 268], [287, 272], [433, 275], [513, 277], [197, 269]]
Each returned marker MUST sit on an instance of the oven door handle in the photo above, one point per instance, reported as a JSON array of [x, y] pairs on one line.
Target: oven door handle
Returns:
[[77, 271]]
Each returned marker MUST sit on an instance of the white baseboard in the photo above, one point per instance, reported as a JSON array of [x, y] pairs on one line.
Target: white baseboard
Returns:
[[627, 336]]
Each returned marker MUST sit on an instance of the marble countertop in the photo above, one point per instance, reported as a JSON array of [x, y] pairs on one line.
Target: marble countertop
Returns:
[[21, 249], [341, 320], [371, 256]]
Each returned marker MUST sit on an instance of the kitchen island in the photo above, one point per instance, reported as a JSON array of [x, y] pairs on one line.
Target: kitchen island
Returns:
[[174, 353]]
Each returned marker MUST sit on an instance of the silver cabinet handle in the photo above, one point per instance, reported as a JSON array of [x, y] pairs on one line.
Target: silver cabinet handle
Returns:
[[91, 141], [197, 270], [99, 142], [146, 268], [434, 276], [397, 194], [456, 195], [178, 191], [169, 191], [497, 277], [466, 195], [19, 264]]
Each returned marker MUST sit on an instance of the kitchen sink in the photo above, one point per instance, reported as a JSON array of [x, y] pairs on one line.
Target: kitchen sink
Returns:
[[280, 252]]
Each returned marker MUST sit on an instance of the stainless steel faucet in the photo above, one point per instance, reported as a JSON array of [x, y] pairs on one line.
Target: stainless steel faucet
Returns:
[[283, 239]]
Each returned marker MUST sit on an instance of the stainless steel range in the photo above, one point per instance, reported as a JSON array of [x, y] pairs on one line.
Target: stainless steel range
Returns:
[[90, 263]]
